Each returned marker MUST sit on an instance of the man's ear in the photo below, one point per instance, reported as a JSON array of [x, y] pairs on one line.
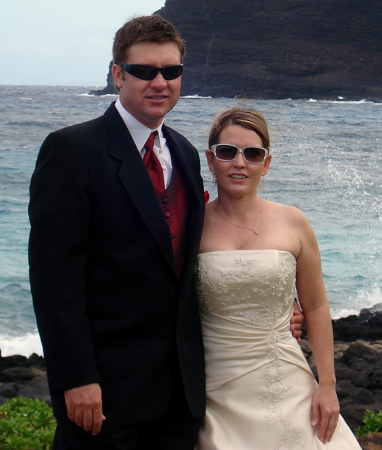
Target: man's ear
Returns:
[[117, 73]]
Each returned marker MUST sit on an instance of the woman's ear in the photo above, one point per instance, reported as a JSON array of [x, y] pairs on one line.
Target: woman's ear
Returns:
[[210, 159], [267, 164]]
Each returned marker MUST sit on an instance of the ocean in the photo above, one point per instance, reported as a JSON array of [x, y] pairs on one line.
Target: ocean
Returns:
[[327, 161]]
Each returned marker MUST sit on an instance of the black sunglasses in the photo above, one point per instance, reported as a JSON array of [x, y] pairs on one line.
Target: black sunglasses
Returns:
[[146, 72], [228, 152]]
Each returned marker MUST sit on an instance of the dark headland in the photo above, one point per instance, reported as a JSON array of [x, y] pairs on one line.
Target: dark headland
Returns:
[[274, 49]]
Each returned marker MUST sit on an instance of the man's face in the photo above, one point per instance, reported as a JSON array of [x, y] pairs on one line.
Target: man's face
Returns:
[[149, 100]]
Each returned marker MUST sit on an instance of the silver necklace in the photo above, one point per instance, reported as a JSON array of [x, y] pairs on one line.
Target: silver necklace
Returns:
[[240, 226]]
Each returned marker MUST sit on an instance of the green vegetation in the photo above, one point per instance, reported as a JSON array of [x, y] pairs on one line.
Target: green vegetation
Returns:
[[26, 424], [372, 421]]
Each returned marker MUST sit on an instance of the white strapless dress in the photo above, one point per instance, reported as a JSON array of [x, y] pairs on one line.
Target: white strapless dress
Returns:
[[259, 385]]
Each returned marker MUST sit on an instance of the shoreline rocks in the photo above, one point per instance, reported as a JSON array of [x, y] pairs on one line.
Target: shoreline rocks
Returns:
[[23, 377], [367, 325], [357, 362], [358, 367], [357, 355]]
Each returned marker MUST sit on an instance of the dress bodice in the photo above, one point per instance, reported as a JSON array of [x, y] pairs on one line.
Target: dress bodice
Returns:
[[256, 287], [245, 303]]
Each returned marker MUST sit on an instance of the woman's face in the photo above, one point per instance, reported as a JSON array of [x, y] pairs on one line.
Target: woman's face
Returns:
[[238, 178]]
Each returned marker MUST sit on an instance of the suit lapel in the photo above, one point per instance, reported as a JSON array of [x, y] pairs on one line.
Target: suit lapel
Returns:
[[137, 182]]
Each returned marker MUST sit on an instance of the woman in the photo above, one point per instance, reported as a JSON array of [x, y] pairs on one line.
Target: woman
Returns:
[[254, 255]]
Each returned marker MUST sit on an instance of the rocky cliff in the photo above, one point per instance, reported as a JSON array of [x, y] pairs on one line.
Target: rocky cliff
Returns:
[[280, 49]]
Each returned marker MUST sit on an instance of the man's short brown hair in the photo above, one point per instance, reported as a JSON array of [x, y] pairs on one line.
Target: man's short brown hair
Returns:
[[145, 29]]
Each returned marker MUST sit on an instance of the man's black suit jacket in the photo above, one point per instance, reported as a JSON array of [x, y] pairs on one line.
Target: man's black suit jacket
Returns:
[[110, 308]]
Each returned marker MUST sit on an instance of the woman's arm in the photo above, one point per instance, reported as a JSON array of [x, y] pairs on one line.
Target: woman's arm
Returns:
[[314, 302]]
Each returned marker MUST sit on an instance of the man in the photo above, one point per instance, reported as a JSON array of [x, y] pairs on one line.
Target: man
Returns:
[[113, 244], [111, 261]]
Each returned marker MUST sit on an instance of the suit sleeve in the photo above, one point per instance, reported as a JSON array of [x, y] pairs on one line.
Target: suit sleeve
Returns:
[[59, 214]]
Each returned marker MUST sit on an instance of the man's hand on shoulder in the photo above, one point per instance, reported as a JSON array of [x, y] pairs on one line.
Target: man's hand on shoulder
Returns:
[[84, 405], [296, 322]]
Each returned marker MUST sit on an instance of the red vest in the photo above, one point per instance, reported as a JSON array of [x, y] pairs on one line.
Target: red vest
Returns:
[[174, 205]]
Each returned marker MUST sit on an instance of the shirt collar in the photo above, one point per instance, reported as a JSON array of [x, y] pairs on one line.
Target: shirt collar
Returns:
[[138, 131]]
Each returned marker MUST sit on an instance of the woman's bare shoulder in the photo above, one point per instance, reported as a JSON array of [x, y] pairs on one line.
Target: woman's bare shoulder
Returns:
[[281, 208], [287, 213]]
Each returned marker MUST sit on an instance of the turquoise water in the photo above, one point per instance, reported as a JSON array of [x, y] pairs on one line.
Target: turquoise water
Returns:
[[327, 162]]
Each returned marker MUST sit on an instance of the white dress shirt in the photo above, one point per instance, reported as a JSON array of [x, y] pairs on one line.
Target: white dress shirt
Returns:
[[140, 134]]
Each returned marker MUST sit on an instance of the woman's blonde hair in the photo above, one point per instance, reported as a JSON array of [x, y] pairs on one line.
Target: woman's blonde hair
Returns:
[[244, 117]]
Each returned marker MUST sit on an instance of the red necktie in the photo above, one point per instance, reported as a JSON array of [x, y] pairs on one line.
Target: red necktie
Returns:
[[152, 164]]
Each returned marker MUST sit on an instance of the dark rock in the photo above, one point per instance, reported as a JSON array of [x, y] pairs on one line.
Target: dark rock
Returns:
[[358, 368], [359, 379], [37, 388], [378, 395], [353, 414], [357, 353], [24, 377], [8, 390], [370, 377], [346, 389], [343, 372], [349, 329], [363, 397], [366, 373], [11, 361], [280, 49], [367, 313], [37, 362], [372, 441], [21, 376], [18, 374]]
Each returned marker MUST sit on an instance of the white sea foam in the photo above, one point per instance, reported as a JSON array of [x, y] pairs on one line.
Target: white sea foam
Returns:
[[341, 100], [345, 313], [195, 96], [87, 94], [352, 102], [21, 345], [363, 299]]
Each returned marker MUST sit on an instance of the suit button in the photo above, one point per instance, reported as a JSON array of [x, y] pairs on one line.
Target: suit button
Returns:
[[165, 200], [167, 214]]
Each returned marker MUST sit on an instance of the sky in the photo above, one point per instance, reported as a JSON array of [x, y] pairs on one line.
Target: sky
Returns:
[[62, 42]]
